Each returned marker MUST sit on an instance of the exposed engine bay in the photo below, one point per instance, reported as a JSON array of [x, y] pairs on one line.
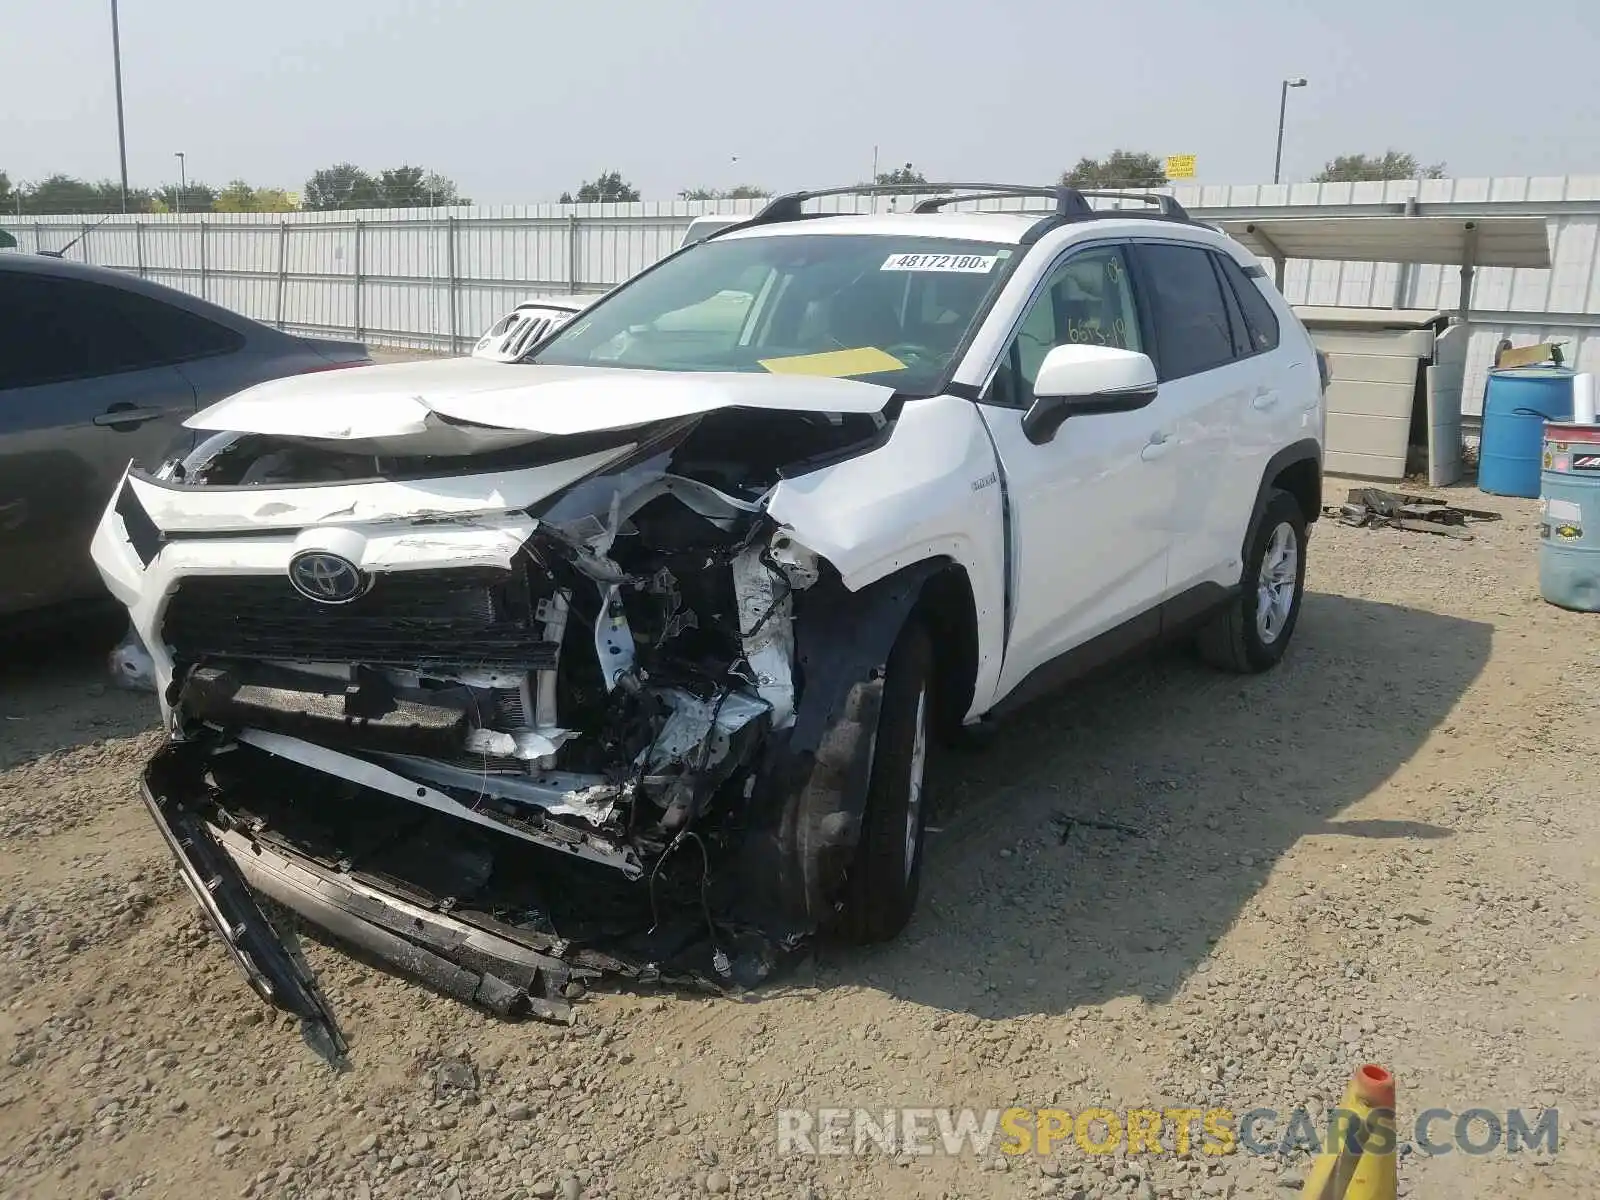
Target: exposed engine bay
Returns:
[[625, 729]]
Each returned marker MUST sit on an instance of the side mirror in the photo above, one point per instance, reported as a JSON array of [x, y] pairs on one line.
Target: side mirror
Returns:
[[1080, 381]]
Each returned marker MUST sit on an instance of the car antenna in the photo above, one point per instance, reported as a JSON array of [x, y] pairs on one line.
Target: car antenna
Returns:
[[61, 253]]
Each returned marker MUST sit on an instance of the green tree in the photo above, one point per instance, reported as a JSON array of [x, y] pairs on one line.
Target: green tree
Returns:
[[902, 176], [237, 197], [611, 187], [8, 197], [64, 194], [745, 191], [402, 187], [240, 197], [1391, 164], [343, 185], [197, 197], [61, 194], [274, 200], [414, 187], [442, 191], [1119, 169]]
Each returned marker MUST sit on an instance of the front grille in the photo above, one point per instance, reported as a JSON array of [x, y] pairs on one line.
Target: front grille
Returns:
[[412, 619]]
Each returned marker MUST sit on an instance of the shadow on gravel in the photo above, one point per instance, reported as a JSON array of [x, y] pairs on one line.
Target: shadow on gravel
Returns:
[[55, 685], [1024, 912]]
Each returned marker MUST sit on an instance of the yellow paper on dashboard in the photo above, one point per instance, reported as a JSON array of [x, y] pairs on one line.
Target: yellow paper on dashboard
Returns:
[[835, 364]]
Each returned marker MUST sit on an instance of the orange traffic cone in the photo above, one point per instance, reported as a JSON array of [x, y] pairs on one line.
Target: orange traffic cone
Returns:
[[1358, 1161]]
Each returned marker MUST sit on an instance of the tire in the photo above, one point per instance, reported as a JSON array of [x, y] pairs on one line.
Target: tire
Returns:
[[1253, 632], [883, 879]]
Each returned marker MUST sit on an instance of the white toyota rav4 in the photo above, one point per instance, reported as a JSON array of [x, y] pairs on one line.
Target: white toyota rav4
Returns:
[[624, 657]]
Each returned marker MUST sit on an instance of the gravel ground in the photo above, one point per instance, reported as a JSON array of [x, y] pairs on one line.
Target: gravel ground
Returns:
[[1384, 851]]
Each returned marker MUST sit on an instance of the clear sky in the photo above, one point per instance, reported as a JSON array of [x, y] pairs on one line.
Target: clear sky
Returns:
[[518, 100]]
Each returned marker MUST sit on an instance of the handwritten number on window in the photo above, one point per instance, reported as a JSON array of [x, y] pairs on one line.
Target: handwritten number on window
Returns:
[[1083, 333]]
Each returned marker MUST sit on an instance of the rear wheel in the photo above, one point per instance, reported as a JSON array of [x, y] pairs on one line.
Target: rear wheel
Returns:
[[1253, 632], [884, 877]]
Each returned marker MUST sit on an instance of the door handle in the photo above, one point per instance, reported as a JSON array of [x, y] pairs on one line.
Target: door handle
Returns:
[[1264, 400], [1158, 445], [128, 417]]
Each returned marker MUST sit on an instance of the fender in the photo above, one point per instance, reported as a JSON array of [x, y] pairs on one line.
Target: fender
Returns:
[[1306, 450], [805, 814], [932, 492]]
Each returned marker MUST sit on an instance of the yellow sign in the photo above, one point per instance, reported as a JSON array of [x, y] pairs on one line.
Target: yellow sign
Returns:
[[1180, 166]]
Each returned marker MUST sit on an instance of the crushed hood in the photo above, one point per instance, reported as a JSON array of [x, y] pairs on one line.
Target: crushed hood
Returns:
[[420, 399]]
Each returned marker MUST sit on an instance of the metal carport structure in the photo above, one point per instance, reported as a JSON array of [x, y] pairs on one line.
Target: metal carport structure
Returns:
[[1398, 376], [1465, 242]]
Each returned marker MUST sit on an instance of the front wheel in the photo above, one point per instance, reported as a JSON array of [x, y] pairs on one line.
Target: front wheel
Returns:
[[881, 886], [1252, 633]]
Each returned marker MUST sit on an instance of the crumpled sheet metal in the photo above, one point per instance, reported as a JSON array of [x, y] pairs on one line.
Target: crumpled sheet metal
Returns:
[[1373, 508]]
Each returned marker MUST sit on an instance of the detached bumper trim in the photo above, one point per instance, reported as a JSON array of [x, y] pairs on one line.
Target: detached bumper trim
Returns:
[[457, 959], [275, 972]]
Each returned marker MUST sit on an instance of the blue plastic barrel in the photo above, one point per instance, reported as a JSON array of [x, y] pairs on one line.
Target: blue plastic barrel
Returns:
[[1569, 517], [1516, 404]]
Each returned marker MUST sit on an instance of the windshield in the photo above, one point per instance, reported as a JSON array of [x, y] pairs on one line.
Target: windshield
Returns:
[[890, 310]]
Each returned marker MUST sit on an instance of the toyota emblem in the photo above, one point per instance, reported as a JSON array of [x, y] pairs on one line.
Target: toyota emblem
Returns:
[[326, 578]]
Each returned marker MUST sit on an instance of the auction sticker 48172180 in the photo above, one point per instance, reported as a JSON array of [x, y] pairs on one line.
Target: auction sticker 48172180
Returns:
[[971, 264]]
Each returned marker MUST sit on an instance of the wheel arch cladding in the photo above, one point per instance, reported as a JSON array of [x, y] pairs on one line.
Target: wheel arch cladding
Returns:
[[1302, 479], [804, 820], [1296, 469], [950, 611]]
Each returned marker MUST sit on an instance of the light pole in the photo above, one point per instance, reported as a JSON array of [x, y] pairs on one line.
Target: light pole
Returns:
[[122, 137], [1283, 107], [183, 179]]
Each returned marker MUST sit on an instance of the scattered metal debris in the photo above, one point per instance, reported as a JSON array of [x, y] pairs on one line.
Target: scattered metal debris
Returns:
[[453, 1077], [1373, 508], [1065, 823]]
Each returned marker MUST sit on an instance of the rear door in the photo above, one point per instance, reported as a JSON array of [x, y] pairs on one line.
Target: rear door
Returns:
[[1209, 387], [207, 353], [81, 393], [1286, 391]]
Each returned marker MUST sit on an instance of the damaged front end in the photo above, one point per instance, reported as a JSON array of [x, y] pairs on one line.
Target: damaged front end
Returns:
[[618, 722]]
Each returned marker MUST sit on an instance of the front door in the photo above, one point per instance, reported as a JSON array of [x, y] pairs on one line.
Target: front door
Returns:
[[1089, 512]]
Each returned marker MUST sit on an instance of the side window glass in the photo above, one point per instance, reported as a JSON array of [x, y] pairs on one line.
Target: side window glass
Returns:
[[1190, 314], [1236, 326], [1261, 323], [35, 344], [175, 334], [1087, 301], [54, 330]]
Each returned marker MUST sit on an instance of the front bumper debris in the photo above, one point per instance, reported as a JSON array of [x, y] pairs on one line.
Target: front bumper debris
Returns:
[[223, 866], [277, 973]]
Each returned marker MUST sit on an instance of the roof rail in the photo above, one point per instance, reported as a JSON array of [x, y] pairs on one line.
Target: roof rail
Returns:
[[1069, 203], [1169, 206]]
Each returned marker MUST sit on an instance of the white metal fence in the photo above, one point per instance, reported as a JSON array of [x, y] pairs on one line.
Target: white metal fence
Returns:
[[436, 278]]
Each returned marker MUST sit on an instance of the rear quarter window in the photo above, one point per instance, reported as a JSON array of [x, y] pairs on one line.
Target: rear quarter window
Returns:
[[176, 334], [1261, 322]]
